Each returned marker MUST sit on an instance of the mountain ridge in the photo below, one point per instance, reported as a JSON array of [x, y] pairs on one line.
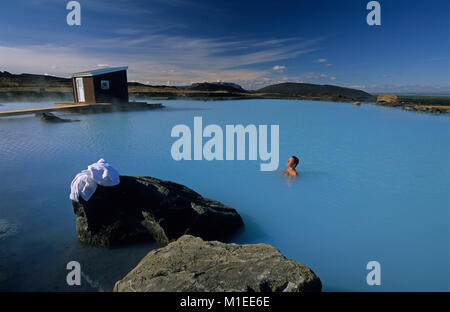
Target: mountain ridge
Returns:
[[8, 80], [309, 89]]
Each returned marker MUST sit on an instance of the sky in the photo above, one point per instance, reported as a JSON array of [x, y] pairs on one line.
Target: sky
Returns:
[[252, 43]]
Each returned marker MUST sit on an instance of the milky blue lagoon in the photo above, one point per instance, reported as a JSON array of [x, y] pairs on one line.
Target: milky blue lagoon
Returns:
[[373, 185]]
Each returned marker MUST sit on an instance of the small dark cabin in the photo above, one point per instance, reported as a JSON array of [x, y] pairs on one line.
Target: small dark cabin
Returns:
[[105, 85]]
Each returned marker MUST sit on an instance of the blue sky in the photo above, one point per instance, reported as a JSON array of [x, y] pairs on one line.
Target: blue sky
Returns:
[[253, 43]]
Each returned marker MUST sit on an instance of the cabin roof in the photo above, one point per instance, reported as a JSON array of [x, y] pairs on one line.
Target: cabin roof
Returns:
[[99, 71]]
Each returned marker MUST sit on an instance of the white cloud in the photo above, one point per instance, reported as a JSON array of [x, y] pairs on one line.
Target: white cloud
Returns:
[[321, 60], [279, 68], [159, 59]]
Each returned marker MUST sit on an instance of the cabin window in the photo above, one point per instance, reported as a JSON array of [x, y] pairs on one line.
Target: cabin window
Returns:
[[104, 84]]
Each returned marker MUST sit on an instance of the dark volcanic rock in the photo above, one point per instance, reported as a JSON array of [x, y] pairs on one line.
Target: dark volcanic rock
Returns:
[[49, 117], [148, 208], [191, 264]]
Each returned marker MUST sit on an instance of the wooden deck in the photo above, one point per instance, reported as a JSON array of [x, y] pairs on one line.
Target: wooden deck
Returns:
[[78, 107]]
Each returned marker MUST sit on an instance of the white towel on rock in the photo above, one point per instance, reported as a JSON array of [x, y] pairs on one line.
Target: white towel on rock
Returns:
[[85, 183], [82, 185], [104, 174]]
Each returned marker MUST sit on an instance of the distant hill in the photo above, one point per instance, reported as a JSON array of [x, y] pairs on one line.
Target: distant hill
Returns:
[[311, 90], [217, 86], [30, 80]]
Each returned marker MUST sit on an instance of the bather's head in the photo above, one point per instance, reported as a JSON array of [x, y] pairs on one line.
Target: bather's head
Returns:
[[292, 162]]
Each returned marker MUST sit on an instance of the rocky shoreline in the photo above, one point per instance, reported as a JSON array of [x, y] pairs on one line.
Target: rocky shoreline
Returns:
[[424, 104], [411, 107], [417, 106]]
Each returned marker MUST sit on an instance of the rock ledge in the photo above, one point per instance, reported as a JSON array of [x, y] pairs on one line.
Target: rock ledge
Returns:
[[191, 264], [146, 208]]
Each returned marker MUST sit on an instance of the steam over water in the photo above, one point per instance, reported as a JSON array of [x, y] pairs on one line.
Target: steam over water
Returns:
[[373, 185]]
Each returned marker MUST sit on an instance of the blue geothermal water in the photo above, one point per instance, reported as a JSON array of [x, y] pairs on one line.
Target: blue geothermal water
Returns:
[[373, 185]]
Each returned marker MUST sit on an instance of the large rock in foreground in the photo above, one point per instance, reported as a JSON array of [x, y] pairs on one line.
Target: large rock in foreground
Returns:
[[191, 264], [142, 208]]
